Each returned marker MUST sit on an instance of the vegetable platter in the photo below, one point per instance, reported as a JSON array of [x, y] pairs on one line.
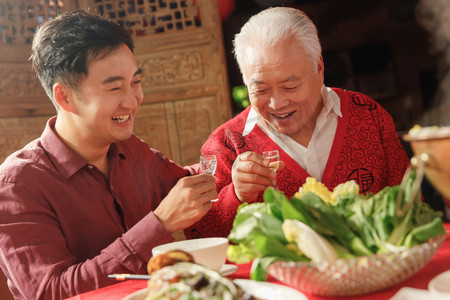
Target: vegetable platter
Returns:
[[340, 242]]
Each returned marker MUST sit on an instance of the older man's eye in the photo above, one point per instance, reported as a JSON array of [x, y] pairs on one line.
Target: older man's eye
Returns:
[[291, 89], [259, 91]]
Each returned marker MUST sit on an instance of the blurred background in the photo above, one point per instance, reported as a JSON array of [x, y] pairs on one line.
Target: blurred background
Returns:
[[395, 51]]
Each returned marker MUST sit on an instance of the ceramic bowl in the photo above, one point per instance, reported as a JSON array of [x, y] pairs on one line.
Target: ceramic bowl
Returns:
[[432, 145], [209, 252]]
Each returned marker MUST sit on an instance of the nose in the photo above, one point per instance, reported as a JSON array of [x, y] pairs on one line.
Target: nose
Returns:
[[277, 99], [133, 97]]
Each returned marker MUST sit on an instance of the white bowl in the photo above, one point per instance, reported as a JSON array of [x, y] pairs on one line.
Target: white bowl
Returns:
[[209, 252], [439, 286]]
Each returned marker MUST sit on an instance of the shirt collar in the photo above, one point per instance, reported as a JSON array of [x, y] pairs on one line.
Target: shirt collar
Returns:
[[331, 103], [65, 160]]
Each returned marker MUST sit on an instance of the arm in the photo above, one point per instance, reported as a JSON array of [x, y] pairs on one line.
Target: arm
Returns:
[[241, 177], [58, 240], [36, 256]]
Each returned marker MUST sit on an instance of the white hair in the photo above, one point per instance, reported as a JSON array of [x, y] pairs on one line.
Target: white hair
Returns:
[[274, 25]]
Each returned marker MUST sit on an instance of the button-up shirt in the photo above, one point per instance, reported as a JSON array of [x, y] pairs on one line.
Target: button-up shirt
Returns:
[[64, 226]]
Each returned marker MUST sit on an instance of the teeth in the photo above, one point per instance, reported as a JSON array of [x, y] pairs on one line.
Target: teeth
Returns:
[[121, 118], [283, 115]]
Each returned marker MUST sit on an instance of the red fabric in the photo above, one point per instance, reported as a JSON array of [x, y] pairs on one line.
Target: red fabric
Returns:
[[438, 264], [366, 148], [60, 231]]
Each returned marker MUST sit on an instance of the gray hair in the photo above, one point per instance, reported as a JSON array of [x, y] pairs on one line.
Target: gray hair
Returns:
[[274, 25]]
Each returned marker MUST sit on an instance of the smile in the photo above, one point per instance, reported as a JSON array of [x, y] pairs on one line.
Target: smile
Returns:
[[121, 118], [283, 116]]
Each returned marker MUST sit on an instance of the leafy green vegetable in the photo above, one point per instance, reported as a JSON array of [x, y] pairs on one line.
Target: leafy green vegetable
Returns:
[[356, 225]]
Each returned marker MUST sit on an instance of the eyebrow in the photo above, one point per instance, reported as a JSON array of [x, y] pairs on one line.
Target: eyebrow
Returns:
[[290, 78], [116, 78]]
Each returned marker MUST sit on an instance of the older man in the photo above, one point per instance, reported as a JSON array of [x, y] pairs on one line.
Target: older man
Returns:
[[327, 133]]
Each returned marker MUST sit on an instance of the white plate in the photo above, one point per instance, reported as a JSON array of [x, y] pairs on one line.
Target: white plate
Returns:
[[439, 286], [408, 293], [259, 289], [138, 295], [228, 269], [268, 290]]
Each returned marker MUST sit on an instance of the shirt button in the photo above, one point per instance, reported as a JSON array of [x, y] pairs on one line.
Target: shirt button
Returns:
[[90, 167]]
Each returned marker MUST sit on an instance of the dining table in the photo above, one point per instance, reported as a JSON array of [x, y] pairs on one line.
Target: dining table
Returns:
[[438, 264]]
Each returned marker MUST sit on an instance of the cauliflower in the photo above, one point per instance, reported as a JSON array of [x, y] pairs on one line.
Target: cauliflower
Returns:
[[318, 188], [348, 187], [313, 245]]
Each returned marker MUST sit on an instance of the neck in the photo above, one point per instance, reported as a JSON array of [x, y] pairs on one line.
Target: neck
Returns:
[[304, 136], [91, 152]]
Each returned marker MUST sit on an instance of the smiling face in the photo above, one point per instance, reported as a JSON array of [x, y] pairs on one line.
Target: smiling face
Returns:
[[103, 108], [283, 87]]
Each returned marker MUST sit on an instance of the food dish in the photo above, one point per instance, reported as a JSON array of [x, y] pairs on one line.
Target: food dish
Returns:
[[268, 290], [439, 286], [209, 252], [408, 293], [263, 290], [228, 269], [355, 276]]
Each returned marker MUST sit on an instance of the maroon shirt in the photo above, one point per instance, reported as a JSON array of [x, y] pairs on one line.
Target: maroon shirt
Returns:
[[64, 226]]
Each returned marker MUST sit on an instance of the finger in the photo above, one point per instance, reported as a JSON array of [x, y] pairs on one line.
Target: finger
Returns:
[[253, 168], [190, 181], [254, 157], [240, 178], [208, 197]]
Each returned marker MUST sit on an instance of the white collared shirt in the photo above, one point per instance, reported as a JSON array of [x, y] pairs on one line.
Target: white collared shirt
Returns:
[[314, 157]]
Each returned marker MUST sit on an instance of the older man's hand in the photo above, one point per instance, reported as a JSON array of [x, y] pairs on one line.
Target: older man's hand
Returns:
[[251, 175]]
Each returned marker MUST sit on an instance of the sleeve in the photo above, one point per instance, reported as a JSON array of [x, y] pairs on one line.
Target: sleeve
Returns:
[[219, 220], [36, 259]]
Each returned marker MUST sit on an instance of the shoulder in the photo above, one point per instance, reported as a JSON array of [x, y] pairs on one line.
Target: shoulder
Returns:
[[357, 100], [237, 122], [234, 126], [28, 162], [136, 150], [229, 134]]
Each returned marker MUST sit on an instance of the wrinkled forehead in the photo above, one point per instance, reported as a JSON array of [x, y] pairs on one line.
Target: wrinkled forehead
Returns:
[[276, 62]]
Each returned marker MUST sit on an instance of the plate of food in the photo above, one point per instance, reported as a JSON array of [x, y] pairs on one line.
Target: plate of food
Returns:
[[439, 286], [197, 282]]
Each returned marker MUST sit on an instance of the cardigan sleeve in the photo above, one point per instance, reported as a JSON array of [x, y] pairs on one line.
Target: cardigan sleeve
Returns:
[[219, 220]]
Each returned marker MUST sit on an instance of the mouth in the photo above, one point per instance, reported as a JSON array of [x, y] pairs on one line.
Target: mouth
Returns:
[[282, 116], [121, 118]]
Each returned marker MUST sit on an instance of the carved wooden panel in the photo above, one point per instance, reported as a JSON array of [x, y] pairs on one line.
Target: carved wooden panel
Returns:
[[178, 44], [20, 131], [19, 18]]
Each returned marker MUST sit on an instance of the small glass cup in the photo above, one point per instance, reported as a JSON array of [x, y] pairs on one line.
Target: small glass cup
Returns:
[[274, 158]]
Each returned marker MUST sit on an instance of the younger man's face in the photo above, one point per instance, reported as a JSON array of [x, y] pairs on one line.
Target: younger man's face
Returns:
[[108, 98]]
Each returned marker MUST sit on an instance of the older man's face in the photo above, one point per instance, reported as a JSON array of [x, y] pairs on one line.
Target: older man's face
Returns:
[[284, 89]]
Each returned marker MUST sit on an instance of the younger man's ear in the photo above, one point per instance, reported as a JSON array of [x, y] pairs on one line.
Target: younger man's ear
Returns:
[[63, 96]]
